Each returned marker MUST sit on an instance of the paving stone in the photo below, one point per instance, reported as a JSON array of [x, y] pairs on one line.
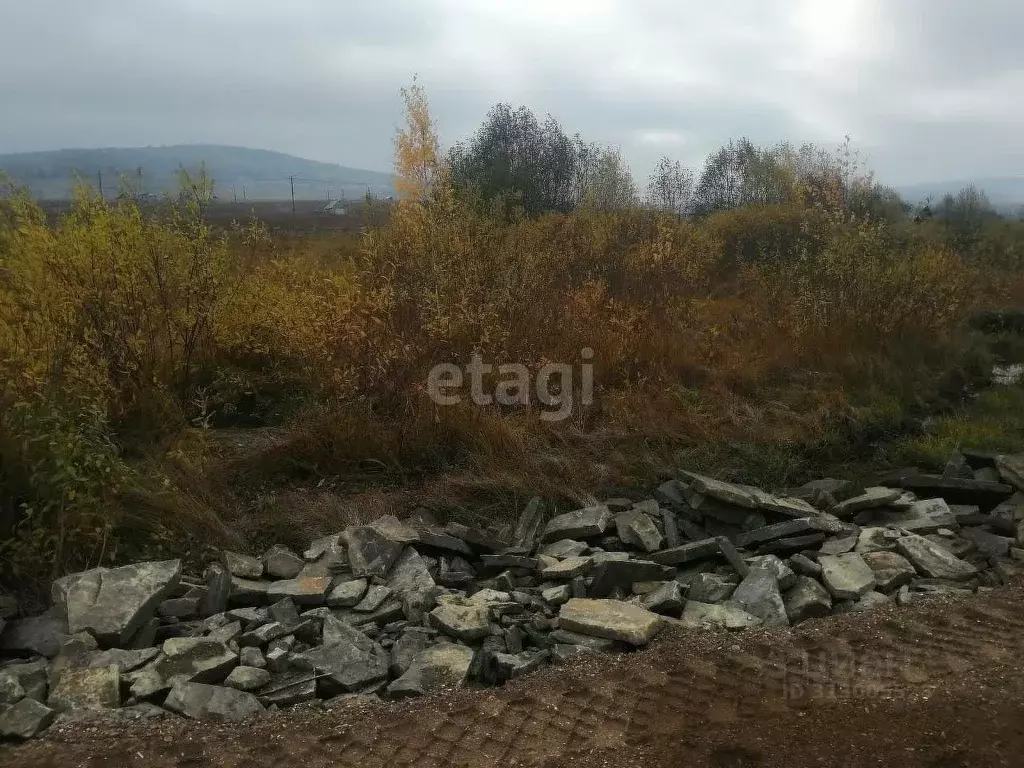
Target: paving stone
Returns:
[[846, 576], [732, 556], [212, 702], [579, 524], [785, 505], [922, 517], [610, 619], [758, 594], [806, 599], [932, 560], [405, 650]]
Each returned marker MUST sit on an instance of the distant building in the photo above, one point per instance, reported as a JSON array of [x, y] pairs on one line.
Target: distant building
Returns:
[[337, 207]]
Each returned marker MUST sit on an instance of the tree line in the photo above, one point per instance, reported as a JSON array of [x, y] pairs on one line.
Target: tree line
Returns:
[[517, 164]]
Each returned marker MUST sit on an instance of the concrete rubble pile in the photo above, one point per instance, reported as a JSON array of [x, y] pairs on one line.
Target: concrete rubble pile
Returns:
[[395, 609]]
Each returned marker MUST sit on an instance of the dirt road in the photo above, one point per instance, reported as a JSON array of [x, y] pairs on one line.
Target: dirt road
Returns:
[[939, 684]]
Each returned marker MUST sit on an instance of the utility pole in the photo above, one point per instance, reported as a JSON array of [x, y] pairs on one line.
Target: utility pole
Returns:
[[291, 180], [234, 194], [99, 178], [243, 194]]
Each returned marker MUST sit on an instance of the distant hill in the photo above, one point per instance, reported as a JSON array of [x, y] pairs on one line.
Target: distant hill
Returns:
[[256, 174], [1005, 192]]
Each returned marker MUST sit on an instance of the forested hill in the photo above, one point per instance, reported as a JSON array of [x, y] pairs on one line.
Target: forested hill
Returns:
[[255, 173]]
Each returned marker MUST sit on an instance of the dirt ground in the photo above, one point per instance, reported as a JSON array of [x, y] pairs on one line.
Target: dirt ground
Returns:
[[939, 684]]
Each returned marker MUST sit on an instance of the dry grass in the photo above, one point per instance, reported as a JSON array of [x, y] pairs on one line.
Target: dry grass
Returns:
[[755, 344]]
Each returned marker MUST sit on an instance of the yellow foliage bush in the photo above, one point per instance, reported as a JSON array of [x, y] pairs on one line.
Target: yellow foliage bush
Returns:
[[109, 319]]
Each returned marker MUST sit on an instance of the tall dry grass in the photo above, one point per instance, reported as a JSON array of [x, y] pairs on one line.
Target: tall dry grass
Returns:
[[740, 335]]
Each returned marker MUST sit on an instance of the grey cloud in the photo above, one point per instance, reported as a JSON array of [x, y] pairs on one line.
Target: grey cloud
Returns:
[[929, 89]]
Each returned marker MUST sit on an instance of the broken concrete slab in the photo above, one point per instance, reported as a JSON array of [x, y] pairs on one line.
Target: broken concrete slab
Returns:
[[806, 599], [86, 688], [636, 529], [111, 604], [622, 574], [579, 524], [432, 669], [463, 622], [304, 591], [687, 553], [609, 619], [243, 566], [759, 595], [26, 719], [370, 552], [212, 702], [878, 496], [932, 560], [43, 635], [525, 534], [846, 576], [723, 616], [891, 569]]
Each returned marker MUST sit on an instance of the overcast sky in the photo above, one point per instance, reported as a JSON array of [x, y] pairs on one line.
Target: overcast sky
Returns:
[[929, 89]]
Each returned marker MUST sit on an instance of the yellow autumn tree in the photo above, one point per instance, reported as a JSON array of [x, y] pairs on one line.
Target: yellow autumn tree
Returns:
[[417, 149]]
